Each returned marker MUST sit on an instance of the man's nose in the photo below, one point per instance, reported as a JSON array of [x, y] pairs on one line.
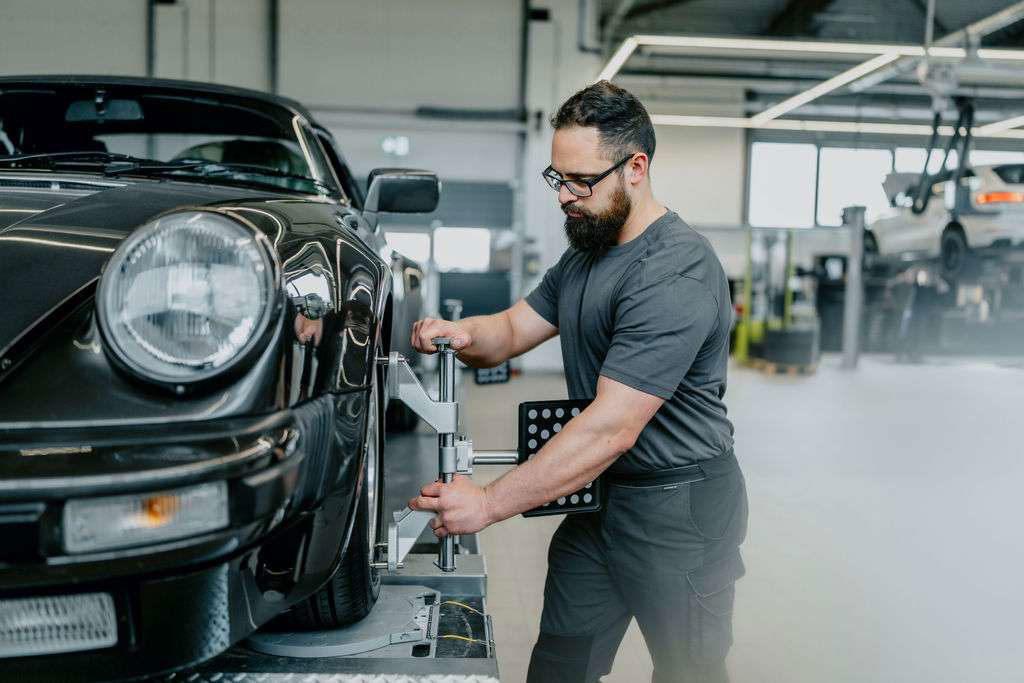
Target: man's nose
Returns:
[[564, 196]]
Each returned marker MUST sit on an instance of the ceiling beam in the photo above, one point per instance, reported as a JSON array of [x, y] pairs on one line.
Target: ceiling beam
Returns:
[[796, 18]]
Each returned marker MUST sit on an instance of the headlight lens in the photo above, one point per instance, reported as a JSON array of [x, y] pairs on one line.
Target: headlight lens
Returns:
[[186, 296]]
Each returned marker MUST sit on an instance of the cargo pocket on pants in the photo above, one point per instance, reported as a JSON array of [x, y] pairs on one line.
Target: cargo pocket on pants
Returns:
[[713, 590]]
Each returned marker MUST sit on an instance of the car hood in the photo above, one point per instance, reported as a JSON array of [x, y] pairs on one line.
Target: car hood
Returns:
[[57, 234]]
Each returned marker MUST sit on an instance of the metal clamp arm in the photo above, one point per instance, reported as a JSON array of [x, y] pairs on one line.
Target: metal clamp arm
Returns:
[[403, 385]]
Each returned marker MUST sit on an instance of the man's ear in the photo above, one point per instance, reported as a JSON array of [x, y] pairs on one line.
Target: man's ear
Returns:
[[636, 168]]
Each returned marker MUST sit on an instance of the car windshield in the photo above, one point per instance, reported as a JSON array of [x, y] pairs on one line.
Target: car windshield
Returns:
[[241, 136]]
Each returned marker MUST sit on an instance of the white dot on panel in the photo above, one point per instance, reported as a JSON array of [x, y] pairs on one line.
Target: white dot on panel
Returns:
[[546, 414], [559, 413], [546, 504], [575, 499], [532, 429], [557, 428], [587, 498], [561, 501], [532, 443], [545, 434], [575, 412], [532, 414], [589, 485]]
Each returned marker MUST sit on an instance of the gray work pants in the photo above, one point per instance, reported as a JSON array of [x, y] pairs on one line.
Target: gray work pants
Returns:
[[664, 553]]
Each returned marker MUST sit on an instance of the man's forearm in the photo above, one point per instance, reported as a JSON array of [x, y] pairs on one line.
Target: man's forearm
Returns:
[[587, 446], [492, 340]]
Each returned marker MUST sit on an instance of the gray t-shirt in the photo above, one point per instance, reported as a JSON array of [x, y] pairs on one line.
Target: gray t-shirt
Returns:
[[654, 314]]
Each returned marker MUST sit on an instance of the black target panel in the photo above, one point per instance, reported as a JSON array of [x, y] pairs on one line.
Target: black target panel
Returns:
[[539, 421]]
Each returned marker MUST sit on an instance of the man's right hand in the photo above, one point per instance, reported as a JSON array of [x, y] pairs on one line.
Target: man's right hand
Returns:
[[429, 328]]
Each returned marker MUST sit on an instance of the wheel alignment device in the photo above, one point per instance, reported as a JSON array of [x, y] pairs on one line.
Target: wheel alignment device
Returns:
[[455, 454]]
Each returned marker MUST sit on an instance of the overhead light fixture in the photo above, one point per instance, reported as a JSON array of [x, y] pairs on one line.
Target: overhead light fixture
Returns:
[[819, 126], [883, 55], [624, 52], [1000, 126], [824, 87]]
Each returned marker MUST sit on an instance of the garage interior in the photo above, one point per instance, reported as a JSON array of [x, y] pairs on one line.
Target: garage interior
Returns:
[[873, 385]]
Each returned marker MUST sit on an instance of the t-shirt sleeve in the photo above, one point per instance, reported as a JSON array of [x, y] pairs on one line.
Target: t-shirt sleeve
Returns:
[[544, 298], [659, 329]]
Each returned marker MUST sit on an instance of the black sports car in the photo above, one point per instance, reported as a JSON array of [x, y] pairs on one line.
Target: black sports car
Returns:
[[193, 297]]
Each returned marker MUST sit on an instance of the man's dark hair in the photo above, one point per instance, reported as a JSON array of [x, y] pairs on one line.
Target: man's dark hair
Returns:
[[620, 119]]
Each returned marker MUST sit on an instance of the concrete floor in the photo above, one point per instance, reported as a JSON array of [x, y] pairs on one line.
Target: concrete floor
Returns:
[[885, 531]]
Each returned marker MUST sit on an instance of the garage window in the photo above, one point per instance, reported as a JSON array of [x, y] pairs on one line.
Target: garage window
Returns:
[[852, 176], [782, 185], [414, 245], [911, 159], [462, 249], [803, 185]]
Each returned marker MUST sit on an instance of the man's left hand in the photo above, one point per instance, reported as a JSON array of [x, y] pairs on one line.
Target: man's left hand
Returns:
[[461, 506]]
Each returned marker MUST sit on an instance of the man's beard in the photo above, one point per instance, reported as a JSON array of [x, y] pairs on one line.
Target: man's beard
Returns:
[[595, 233]]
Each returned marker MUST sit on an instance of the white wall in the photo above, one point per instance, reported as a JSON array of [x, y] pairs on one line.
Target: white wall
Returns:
[[453, 150], [224, 41], [95, 37], [700, 173], [399, 54]]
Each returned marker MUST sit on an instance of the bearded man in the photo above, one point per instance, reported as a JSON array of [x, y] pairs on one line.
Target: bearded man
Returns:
[[642, 307]]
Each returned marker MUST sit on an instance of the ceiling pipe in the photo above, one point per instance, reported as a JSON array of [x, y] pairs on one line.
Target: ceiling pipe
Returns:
[[608, 35], [582, 29]]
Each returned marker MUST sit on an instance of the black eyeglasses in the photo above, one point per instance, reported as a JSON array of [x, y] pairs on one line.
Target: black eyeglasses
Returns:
[[580, 187]]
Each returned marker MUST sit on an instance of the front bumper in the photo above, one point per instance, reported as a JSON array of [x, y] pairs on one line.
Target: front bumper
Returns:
[[179, 602]]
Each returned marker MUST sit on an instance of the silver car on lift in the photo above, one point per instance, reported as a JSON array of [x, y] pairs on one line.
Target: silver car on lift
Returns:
[[985, 211]]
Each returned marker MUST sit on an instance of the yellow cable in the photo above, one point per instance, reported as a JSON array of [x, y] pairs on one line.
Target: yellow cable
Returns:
[[462, 604], [470, 640]]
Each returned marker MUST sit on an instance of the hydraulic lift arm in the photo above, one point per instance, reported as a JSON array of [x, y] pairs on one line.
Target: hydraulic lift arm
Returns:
[[961, 137]]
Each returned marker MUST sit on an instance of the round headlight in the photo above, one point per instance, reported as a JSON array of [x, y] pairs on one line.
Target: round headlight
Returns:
[[187, 296]]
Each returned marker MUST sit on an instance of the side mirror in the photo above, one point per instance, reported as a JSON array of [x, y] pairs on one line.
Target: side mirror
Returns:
[[400, 190]]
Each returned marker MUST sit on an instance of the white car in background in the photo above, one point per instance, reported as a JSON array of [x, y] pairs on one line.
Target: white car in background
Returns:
[[987, 211]]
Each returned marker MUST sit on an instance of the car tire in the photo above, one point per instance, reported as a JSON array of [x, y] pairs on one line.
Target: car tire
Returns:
[[352, 591], [954, 253]]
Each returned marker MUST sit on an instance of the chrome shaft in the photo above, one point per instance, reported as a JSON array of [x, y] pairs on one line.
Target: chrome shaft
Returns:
[[446, 440]]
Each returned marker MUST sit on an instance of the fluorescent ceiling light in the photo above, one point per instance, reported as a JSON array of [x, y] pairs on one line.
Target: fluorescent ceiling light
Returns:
[[703, 43], [884, 54], [820, 126], [617, 60], [831, 84], [1000, 126]]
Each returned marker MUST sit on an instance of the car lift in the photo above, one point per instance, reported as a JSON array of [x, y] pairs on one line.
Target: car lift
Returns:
[[430, 622]]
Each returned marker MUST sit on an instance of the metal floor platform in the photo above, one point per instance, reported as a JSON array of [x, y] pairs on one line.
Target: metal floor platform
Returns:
[[456, 643]]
